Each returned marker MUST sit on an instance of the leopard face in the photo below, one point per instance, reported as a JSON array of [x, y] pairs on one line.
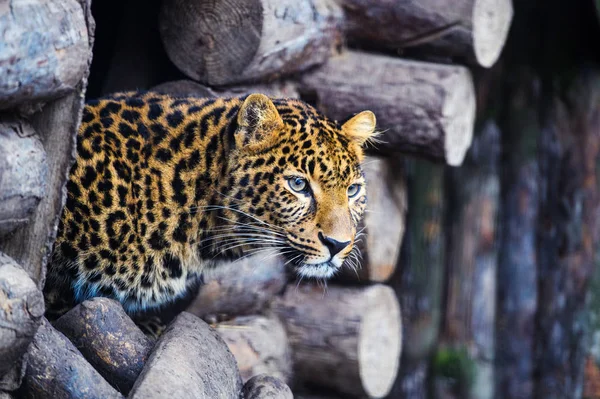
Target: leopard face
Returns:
[[313, 197], [163, 189]]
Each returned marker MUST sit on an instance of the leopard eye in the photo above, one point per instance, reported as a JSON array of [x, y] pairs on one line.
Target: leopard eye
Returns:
[[298, 184], [353, 190]]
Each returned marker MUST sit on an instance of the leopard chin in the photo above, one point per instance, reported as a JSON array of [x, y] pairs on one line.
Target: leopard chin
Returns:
[[324, 270]]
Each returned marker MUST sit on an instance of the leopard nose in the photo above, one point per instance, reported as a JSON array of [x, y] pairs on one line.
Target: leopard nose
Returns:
[[334, 246]]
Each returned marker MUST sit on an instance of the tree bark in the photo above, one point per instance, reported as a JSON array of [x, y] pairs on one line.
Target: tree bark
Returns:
[[264, 387], [190, 360], [568, 234], [471, 29], [21, 311], [108, 339], [517, 262], [23, 173], [221, 42], [45, 50], [383, 222], [56, 369], [421, 108], [57, 125], [260, 346], [343, 339], [473, 193], [243, 287], [418, 283]]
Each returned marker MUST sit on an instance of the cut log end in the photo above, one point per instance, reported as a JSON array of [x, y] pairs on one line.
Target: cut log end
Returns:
[[491, 22], [458, 118], [347, 340], [378, 343], [211, 40]]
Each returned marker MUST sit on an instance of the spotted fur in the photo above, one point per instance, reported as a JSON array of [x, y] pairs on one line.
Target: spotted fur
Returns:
[[165, 188]]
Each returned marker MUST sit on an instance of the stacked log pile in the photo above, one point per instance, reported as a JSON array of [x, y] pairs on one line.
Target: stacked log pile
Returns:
[[45, 56], [269, 331]]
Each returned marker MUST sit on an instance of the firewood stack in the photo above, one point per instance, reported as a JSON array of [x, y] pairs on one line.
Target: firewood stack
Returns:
[[267, 330]]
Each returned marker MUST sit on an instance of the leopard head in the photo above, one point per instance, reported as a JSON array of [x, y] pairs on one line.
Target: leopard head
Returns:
[[298, 184]]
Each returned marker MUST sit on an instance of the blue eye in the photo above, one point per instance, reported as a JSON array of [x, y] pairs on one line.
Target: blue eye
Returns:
[[298, 184], [353, 190]]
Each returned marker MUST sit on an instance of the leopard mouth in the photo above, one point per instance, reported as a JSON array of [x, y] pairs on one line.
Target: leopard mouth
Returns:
[[323, 270]]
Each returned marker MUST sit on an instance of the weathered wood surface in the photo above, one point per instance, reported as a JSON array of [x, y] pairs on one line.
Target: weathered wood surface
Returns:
[[418, 284], [279, 89], [471, 29], [266, 387], [21, 310], [44, 51], [568, 236], [56, 369], [23, 173], [221, 42], [383, 222], [473, 195], [517, 263], [108, 339], [242, 287], [421, 108], [260, 346], [190, 360], [56, 125], [345, 339]]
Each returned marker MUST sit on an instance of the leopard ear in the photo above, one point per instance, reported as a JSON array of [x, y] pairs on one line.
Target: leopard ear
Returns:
[[258, 120], [361, 127]]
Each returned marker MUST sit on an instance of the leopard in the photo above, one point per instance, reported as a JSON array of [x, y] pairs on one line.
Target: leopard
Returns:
[[164, 188]]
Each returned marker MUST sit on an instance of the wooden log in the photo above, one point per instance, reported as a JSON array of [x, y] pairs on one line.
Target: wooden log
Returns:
[[221, 42], [243, 287], [419, 282], [568, 236], [422, 108], [45, 50], [472, 29], [383, 222], [473, 195], [56, 369], [260, 346], [278, 89], [517, 278], [21, 310], [346, 339], [190, 360], [108, 339], [265, 386], [23, 173], [57, 125]]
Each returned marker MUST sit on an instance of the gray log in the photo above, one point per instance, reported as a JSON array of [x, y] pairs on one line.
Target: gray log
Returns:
[[383, 223], [241, 288], [421, 108], [220, 42], [21, 310], [45, 49], [108, 339], [266, 387], [190, 360], [184, 87], [57, 125], [56, 369], [260, 346], [475, 29], [23, 173], [345, 339]]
